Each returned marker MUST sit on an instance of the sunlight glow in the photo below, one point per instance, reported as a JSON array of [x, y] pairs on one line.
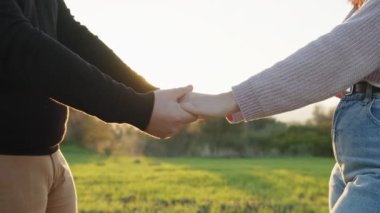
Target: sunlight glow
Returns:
[[212, 44]]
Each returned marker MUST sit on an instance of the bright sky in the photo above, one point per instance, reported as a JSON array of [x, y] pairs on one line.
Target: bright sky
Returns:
[[211, 44]]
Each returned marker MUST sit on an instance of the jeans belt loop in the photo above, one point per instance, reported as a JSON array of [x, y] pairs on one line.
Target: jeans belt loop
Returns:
[[368, 93]]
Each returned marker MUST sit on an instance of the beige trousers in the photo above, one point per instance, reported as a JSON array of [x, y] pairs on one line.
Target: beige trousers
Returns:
[[36, 184]]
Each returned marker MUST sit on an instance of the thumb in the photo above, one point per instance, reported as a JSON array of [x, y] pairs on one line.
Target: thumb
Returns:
[[182, 91]]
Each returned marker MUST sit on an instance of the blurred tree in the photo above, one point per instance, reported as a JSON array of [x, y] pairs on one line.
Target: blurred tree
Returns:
[[94, 134], [304, 140], [322, 117], [214, 137]]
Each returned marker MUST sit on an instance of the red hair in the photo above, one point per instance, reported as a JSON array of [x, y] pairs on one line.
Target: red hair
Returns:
[[357, 3]]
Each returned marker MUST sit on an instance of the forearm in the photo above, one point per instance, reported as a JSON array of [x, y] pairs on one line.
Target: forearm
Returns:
[[31, 58], [210, 106], [319, 70]]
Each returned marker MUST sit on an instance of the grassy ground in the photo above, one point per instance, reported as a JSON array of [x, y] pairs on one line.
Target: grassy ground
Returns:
[[122, 184]]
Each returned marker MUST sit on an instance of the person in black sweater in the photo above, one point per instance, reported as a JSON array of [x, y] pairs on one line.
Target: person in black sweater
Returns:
[[49, 61]]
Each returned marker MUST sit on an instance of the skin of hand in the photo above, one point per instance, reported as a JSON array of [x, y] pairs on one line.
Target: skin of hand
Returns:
[[209, 106], [168, 117], [234, 118], [339, 95]]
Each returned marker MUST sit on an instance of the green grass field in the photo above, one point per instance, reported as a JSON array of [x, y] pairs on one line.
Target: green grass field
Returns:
[[122, 184]]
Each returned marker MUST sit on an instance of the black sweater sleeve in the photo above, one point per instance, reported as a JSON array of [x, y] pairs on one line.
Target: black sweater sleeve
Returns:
[[35, 60], [81, 41]]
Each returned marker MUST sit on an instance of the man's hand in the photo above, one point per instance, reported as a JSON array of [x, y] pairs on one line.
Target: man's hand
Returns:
[[210, 106], [168, 118]]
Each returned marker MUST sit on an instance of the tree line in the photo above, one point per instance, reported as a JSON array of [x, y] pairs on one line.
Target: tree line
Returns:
[[211, 138]]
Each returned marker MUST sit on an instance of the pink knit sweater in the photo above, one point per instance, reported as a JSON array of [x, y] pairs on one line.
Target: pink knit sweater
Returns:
[[330, 64]]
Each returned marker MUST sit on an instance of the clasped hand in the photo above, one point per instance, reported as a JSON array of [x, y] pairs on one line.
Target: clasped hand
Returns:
[[175, 108]]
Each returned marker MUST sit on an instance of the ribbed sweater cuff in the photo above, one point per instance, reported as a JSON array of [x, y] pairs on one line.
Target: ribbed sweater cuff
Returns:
[[248, 101], [138, 111]]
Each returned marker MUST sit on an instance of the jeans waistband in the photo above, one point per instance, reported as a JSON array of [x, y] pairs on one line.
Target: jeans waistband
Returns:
[[369, 92], [360, 96]]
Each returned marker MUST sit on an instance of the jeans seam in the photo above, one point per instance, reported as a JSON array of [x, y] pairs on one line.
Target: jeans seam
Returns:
[[334, 131], [54, 172], [337, 113]]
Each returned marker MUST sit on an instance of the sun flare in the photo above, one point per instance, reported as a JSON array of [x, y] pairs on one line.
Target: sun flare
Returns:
[[212, 45]]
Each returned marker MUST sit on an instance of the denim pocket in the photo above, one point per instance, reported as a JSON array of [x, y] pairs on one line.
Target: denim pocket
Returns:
[[374, 111]]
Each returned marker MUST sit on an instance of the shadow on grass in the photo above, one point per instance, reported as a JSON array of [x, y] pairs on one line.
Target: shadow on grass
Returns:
[[276, 185]]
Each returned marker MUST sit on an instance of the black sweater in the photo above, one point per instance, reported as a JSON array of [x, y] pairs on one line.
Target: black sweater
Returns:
[[48, 61]]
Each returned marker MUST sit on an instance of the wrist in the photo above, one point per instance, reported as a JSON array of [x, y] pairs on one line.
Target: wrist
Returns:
[[230, 103]]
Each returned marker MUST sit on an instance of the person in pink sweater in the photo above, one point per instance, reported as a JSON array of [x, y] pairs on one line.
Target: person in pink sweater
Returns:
[[346, 57]]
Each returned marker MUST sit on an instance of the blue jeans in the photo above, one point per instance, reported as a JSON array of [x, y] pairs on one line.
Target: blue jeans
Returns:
[[355, 179]]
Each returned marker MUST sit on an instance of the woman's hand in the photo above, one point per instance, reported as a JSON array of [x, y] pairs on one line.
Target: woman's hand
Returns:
[[339, 95], [209, 106]]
